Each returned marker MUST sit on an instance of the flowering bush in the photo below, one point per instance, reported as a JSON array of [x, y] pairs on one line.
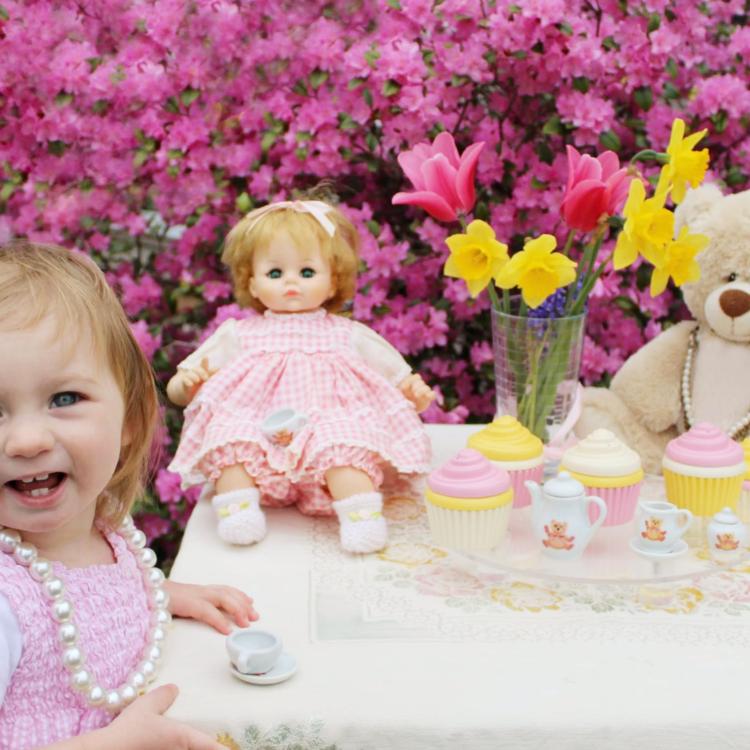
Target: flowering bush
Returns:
[[139, 131]]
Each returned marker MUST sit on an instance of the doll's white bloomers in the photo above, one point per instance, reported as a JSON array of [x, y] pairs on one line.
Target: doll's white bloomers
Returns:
[[341, 376]]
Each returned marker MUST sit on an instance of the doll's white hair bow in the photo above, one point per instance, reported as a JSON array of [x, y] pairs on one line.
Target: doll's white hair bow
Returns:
[[317, 209]]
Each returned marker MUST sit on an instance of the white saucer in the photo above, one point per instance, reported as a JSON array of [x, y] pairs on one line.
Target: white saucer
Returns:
[[654, 554], [284, 668]]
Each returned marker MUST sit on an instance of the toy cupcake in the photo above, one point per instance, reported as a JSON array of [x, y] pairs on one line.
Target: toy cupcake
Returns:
[[704, 470], [743, 509], [468, 502], [510, 446], [609, 469]]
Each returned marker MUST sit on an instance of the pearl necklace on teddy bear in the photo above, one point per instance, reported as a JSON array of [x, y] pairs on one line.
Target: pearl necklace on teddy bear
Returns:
[[739, 430], [61, 609]]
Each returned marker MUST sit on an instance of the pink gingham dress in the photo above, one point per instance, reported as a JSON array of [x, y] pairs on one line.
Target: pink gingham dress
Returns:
[[340, 374]]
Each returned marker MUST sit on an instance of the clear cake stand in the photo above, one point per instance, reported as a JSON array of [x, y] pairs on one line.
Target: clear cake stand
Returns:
[[610, 558]]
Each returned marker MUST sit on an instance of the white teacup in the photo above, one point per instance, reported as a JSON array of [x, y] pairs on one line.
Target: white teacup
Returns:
[[280, 426], [253, 651], [661, 524]]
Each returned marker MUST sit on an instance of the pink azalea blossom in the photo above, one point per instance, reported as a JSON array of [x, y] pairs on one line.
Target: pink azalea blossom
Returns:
[[444, 181]]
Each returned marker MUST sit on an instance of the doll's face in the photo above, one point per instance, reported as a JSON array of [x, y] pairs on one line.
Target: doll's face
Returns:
[[289, 279]]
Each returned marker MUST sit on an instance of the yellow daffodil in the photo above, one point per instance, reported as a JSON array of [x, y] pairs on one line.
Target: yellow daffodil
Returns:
[[684, 165], [648, 227], [537, 270], [476, 257], [679, 261]]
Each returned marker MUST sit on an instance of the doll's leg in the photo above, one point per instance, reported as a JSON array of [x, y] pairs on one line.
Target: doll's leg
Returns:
[[237, 507], [359, 508]]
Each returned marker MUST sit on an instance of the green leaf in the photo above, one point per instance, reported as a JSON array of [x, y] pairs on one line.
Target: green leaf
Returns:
[[609, 43], [610, 140], [7, 190], [94, 63], [318, 78], [538, 184], [644, 97], [391, 88], [355, 83], [346, 122], [490, 56], [100, 106], [374, 227], [189, 95], [372, 141], [720, 120], [672, 68], [63, 99], [654, 22], [513, 8], [56, 148], [300, 88], [372, 56], [395, 4], [735, 176], [367, 96], [581, 83], [459, 80], [267, 141], [565, 28], [669, 92], [301, 152], [171, 105], [553, 126], [519, 54], [140, 158], [303, 135], [4, 13]]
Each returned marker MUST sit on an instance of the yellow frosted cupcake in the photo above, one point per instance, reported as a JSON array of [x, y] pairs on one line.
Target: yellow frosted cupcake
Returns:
[[609, 469], [704, 470], [510, 446], [468, 502], [743, 509]]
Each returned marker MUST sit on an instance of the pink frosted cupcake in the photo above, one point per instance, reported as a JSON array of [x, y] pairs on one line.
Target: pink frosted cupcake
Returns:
[[468, 502], [704, 470], [510, 446], [609, 469]]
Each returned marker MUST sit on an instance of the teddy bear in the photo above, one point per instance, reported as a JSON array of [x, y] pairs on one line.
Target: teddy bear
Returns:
[[696, 370], [557, 537], [654, 531]]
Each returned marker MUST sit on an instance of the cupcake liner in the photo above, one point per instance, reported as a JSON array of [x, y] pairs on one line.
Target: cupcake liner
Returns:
[[743, 506], [703, 496], [621, 503], [521, 496], [468, 529]]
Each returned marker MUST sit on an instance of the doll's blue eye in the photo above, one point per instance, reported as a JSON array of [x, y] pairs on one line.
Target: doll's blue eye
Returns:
[[66, 398], [307, 272], [274, 273]]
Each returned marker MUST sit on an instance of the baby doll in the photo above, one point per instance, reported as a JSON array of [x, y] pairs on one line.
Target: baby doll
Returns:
[[298, 405]]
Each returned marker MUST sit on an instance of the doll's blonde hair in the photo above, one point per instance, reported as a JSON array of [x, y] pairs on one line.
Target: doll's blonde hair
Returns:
[[251, 234], [37, 281]]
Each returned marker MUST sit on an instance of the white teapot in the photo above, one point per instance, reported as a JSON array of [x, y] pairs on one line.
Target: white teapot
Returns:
[[560, 515]]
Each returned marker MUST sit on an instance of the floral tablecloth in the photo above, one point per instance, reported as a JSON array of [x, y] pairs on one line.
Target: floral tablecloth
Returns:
[[421, 647]]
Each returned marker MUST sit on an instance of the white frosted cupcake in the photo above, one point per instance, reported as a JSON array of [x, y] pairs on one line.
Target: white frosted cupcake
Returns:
[[512, 447], [468, 502], [608, 468]]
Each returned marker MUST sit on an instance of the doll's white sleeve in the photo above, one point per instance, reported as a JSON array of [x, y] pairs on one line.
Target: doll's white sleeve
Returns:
[[379, 354], [10, 645], [219, 348]]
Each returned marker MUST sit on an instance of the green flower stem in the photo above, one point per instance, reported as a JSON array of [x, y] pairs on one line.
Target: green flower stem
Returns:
[[506, 301], [589, 285], [650, 155], [585, 265], [493, 296]]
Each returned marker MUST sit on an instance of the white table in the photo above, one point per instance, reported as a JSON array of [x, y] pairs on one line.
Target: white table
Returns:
[[420, 648]]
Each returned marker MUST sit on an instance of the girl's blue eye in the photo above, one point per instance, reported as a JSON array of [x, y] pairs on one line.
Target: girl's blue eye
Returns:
[[307, 272], [66, 398], [274, 273]]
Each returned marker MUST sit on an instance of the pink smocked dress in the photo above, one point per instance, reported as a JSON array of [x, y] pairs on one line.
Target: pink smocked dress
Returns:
[[338, 373]]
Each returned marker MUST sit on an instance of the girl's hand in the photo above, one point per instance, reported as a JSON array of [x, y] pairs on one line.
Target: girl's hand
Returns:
[[221, 607], [183, 386], [417, 391], [141, 726]]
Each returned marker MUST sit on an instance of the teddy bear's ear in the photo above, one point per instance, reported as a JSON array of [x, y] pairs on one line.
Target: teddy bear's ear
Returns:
[[697, 204]]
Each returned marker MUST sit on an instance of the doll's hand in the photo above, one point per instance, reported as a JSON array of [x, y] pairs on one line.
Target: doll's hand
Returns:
[[141, 726], [218, 606], [417, 391], [185, 384]]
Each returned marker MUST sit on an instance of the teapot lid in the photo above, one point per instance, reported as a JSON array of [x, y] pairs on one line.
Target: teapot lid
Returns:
[[725, 515], [563, 485]]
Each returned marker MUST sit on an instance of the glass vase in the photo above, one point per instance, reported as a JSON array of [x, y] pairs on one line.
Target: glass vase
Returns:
[[537, 366]]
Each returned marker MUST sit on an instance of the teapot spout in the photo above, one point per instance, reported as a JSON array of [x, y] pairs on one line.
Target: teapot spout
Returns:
[[536, 494]]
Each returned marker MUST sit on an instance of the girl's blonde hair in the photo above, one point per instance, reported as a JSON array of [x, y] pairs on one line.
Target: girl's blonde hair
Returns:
[[251, 234], [38, 280]]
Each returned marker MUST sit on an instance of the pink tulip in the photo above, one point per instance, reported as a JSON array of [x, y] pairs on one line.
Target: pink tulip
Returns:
[[444, 181], [596, 187]]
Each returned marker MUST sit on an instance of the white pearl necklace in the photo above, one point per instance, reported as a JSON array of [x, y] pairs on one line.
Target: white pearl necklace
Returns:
[[739, 430], [61, 608]]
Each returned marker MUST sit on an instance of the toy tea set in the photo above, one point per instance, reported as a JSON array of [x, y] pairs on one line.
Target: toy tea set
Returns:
[[492, 491]]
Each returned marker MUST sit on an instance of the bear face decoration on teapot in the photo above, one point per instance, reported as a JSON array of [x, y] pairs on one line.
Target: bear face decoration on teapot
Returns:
[[560, 515]]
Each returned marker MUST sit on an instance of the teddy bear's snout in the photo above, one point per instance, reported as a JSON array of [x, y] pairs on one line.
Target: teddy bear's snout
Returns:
[[734, 302]]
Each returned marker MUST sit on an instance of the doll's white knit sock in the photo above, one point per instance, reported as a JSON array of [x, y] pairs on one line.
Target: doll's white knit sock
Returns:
[[241, 521], [363, 527]]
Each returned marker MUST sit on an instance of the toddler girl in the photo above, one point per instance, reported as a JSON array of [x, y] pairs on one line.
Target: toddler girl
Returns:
[[298, 405], [82, 611]]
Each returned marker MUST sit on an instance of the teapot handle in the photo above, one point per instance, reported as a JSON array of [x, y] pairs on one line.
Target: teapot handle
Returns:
[[602, 511]]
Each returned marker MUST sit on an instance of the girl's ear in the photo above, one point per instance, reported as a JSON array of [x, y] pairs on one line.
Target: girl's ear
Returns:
[[126, 437], [251, 287]]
